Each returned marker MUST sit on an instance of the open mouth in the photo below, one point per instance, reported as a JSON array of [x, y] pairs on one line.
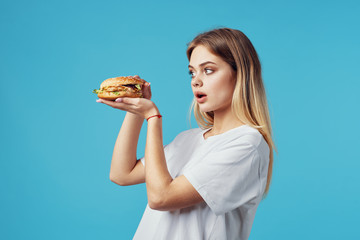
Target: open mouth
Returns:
[[199, 95]]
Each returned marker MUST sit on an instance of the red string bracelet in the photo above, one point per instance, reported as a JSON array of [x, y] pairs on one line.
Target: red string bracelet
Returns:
[[159, 116]]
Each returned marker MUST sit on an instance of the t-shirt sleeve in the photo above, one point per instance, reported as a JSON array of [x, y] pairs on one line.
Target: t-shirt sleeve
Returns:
[[228, 177]]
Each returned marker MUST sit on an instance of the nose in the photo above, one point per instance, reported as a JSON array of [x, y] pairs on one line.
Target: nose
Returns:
[[196, 82]]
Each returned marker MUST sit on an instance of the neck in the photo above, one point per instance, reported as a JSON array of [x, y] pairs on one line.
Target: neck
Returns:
[[224, 121]]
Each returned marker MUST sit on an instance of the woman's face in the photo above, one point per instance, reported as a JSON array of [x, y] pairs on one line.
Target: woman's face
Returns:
[[212, 80]]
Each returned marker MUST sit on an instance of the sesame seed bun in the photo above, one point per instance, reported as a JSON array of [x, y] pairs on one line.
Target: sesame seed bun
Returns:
[[118, 81]]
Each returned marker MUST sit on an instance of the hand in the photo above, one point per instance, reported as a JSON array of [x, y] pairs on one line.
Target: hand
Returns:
[[139, 106]]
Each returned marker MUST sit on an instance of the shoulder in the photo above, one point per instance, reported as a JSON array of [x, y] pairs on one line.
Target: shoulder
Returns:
[[248, 137], [251, 135], [256, 140]]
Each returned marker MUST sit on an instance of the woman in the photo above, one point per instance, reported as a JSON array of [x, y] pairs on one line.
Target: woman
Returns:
[[208, 182]]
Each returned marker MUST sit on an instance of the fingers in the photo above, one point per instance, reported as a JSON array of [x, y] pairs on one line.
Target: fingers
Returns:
[[119, 103], [146, 88], [147, 91], [108, 102]]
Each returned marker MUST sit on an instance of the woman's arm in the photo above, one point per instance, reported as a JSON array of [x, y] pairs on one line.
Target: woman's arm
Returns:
[[125, 169], [164, 192]]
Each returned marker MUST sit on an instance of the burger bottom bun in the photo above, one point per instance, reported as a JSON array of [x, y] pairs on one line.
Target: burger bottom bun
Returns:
[[113, 96]]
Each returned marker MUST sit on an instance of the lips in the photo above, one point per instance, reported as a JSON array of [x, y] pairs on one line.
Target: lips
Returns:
[[200, 96]]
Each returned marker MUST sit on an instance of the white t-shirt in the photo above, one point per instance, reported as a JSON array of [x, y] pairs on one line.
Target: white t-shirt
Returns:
[[228, 170]]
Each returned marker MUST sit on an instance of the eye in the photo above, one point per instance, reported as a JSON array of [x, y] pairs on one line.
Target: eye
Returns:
[[208, 71], [192, 74]]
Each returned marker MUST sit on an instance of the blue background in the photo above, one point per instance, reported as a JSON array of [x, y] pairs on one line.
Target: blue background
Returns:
[[57, 142]]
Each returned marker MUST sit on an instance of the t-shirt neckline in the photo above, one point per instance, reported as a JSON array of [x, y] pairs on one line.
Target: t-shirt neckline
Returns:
[[218, 135]]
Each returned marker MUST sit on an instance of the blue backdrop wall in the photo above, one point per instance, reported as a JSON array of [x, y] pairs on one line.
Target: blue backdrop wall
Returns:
[[57, 142]]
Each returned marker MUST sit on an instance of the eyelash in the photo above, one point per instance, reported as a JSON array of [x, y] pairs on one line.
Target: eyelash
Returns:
[[206, 69]]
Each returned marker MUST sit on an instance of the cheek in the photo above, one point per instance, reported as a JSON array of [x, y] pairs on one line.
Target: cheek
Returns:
[[225, 96], [224, 89]]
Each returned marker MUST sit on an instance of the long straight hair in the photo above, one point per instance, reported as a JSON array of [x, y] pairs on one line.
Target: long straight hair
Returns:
[[249, 103]]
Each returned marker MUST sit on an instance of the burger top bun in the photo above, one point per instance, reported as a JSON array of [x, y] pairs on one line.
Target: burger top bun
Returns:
[[119, 81]]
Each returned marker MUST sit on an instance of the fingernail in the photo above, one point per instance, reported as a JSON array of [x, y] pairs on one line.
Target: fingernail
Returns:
[[118, 100], [98, 100], [149, 84]]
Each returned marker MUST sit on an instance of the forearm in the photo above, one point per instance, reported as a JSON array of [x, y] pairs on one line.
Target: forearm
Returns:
[[124, 154], [158, 178]]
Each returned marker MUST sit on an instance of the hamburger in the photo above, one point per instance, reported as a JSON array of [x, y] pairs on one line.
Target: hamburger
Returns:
[[117, 87]]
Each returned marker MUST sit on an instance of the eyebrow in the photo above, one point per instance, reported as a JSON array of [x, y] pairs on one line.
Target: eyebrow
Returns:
[[202, 64]]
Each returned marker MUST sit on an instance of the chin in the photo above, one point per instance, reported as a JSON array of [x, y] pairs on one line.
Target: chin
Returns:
[[211, 108], [203, 108]]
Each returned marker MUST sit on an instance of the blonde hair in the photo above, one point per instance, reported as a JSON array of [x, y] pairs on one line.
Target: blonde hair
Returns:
[[249, 102]]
